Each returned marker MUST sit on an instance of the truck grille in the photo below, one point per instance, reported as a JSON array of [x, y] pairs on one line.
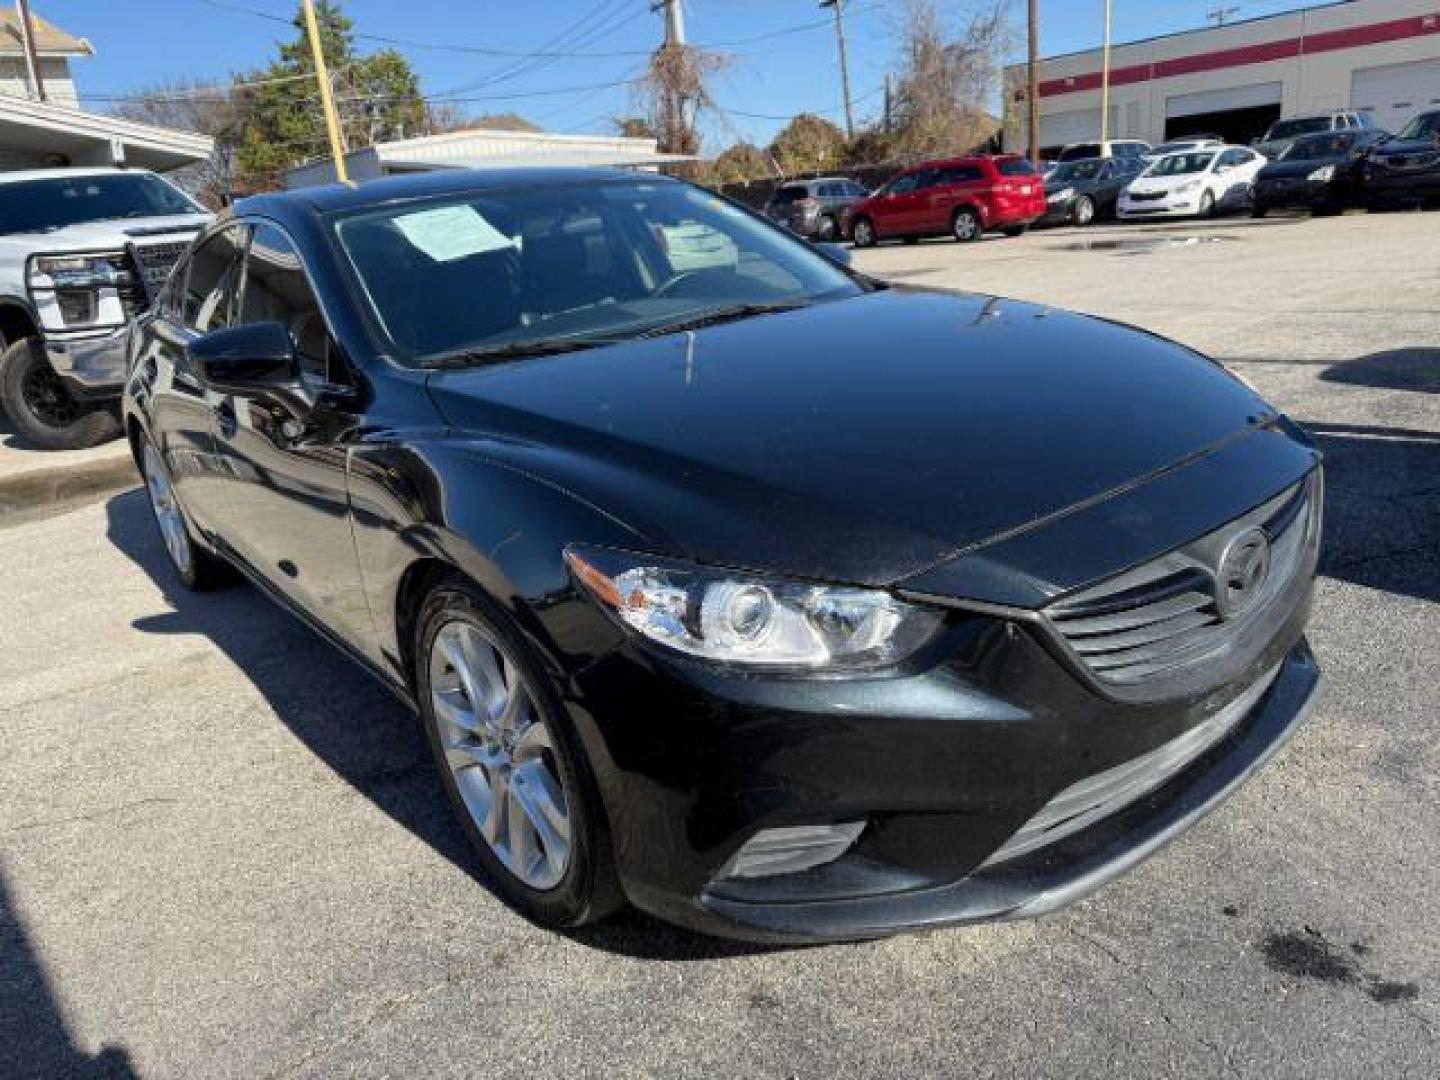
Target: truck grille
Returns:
[[157, 260], [1165, 616]]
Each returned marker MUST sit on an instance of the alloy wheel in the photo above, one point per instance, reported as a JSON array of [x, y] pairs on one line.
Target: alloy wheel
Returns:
[[966, 227], [167, 511], [864, 233], [500, 753], [1084, 212]]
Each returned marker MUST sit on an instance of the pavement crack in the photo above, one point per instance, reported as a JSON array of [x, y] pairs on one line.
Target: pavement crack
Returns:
[[1157, 999], [94, 815]]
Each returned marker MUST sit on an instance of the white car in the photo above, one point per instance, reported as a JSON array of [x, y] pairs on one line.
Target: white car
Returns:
[[1196, 183]]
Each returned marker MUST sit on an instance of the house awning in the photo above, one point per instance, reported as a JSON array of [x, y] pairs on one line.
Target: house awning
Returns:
[[43, 130]]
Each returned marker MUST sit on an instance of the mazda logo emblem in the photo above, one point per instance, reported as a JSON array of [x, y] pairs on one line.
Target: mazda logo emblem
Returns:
[[1244, 566]]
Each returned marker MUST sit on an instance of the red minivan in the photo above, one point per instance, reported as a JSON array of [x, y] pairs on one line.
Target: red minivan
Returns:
[[964, 197]]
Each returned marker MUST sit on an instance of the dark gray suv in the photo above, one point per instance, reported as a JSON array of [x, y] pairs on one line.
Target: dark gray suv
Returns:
[[813, 208]]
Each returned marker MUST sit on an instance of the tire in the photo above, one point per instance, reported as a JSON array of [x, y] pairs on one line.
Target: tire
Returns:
[[965, 226], [197, 568], [910, 241], [828, 229], [535, 746], [1017, 231], [1258, 211], [1207, 206], [862, 233], [1082, 212], [42, 408]]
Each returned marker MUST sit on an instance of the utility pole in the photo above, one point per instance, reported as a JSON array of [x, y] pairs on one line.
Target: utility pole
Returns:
[[1221, 15], [1105, 86], [1032, 92], [27, 40], [839, 8], [889, 100], [674, 22], [327, 99]]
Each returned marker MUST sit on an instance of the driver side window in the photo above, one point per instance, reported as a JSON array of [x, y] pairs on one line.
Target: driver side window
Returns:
[[277, 290]]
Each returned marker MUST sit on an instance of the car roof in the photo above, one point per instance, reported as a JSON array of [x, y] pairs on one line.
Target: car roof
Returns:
[[60, 174], [334, 198]]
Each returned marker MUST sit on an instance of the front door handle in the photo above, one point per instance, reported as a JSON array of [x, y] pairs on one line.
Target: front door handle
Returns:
[[225, 418]]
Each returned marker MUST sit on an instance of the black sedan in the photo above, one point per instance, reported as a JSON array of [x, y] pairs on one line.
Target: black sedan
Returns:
[[1080, 192], [1405, 171], [725, 580], [1320, 173]]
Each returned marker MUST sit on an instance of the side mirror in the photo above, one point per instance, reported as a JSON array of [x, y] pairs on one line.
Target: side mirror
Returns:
[[836, 253], [253, 361]]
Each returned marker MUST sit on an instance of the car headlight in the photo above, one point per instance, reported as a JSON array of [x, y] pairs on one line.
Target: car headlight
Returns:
[[79, 271], [749, 620], [1323, 175], [1063, 195]]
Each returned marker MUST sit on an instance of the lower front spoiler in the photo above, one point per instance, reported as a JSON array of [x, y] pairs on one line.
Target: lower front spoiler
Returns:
[[1046, 879]]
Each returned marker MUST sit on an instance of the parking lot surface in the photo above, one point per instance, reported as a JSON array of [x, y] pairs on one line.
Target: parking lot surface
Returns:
[[223, 851]]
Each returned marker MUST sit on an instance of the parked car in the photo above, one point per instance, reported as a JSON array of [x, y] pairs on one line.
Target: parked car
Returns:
[[1201, 183], [797, 608], [1120, 148], [1183, 146], [1320, 173], [963, 197], [81, 251], [1282, 133], [1405, 171], [1082, 191], [813, 208]]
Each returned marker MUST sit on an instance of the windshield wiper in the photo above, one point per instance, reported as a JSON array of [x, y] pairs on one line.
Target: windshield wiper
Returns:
[[715, 316], [515, 350]]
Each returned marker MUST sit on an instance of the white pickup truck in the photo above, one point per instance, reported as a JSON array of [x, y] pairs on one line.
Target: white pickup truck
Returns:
[[82, 251]]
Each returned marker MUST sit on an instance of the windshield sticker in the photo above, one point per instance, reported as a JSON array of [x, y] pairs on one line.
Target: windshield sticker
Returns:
[[452, 232]]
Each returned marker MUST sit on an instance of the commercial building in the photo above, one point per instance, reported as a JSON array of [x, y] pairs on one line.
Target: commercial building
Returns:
[[1234, 80], [481, 148]]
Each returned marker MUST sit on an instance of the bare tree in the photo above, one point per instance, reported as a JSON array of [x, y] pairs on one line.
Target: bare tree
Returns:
[[949, 74], [673, 92], [189, 105]]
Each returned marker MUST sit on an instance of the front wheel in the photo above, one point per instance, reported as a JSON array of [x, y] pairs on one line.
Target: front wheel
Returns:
[[509, 762], [1207, 205], [863, 233], [1259, 210], [41, 406], [197, 569], [827, 229], [965, 226], [1083, 212]]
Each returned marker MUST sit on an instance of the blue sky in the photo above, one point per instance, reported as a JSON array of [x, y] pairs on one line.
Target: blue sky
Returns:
[[140, 42]]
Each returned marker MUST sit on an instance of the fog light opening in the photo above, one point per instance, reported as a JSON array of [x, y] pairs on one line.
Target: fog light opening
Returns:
[[772, 852]]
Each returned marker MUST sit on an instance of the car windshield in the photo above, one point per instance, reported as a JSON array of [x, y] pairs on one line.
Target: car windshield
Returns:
[[1080, 170], [1015, 167], [525, 271], [1424, 126], [1181, 164], [1320, 147], [45, 205], [1289, 129]]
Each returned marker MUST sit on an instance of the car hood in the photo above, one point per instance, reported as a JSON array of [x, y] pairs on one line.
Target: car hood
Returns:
[[1153, 185], [1281, 170], [861, 440], [113, 234], [1393, 147]]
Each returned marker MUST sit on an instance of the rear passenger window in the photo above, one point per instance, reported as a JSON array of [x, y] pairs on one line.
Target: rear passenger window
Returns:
[[211, 280], [277, 290]]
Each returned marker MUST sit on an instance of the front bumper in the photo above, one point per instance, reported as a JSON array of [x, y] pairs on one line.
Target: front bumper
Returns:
[[1298, 194], [92, 365], [951, 764], [1170, 206], [1394, 188]]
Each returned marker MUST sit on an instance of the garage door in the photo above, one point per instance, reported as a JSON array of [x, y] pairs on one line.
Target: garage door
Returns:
[[1228, 99], [1395, 93], [1083, 125]]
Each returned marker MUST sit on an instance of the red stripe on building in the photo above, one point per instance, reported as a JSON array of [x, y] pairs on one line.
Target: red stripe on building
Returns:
[[1267, 52]]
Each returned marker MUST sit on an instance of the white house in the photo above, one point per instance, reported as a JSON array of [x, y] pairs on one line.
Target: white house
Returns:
[[56, 131]]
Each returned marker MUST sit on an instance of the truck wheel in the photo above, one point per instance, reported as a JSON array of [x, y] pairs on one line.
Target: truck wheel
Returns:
[[41, 406]]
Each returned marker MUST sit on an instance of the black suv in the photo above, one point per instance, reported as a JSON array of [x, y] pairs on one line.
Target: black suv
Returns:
[[813, 208], [1405, 171]]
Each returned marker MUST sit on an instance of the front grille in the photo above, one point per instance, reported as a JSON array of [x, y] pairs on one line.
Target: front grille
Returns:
[[1097, 797], [1165, 616], [157, 260], [1146, 196]]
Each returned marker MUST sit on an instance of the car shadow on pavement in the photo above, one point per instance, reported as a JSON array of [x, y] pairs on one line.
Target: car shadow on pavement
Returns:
[[1382, 507], [1395, 369], [34, 1038], [351, 723]]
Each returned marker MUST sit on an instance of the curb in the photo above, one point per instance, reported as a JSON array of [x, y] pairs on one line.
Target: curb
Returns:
[[34, 494]]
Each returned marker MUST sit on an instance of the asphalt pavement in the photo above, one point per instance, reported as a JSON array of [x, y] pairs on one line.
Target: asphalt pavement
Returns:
[[223, 851]]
